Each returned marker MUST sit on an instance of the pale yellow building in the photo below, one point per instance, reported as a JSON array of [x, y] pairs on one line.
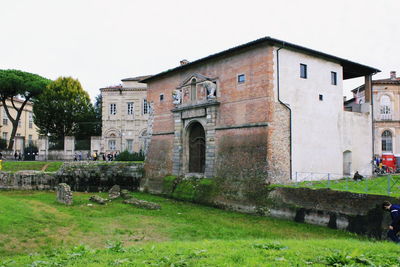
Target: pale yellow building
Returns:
[[27, 131], [125, 113]]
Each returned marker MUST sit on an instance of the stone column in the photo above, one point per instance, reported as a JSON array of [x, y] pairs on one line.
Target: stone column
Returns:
[[177, 152], [95, 144], [69, 147], [43, 147], [210, 141]]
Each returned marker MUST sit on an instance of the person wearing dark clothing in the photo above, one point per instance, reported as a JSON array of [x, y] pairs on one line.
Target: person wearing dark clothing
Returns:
[[15, 155], [394, 227], [357, 176]]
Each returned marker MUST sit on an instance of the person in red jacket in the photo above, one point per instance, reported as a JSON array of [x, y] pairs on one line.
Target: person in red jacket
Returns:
[[394, 227]]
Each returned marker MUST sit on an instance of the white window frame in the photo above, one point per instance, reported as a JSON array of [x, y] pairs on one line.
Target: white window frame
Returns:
[[131, 108], [113, 109], [145, 108], [386, 108]]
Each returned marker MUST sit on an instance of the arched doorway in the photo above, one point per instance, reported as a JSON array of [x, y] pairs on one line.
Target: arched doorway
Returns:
[[197, 148], [347, 162]]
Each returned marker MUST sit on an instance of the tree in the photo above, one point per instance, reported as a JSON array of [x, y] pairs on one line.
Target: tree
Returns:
[[25, 86], [64, 109]]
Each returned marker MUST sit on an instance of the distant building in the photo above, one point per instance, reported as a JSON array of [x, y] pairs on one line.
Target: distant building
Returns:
[[386, 101], [266, 110], [124, 116], [27, 132]]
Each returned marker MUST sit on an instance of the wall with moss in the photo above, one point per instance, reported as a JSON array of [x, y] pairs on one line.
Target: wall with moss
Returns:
[[358, 213], [81, 176]]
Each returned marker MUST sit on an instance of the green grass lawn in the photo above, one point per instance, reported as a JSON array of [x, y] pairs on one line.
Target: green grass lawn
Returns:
[[14, 166], [374, 185], [180, 234]]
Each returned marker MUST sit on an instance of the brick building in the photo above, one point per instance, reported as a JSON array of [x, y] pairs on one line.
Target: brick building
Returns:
[[266, 111]]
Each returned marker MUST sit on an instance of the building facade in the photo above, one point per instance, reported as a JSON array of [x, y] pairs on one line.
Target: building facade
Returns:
[[266, 110], [125, 113], [386, 99], [27, 131]]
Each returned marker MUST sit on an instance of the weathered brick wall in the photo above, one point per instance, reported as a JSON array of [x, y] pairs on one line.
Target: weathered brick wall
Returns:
[[241, 168], [158, 162]]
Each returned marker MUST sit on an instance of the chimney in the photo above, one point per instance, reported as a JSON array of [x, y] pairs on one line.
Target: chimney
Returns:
[[393, 75], [184, 62]]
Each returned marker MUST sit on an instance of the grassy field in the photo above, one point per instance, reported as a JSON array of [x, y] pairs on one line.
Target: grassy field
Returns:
[[14, 166], [383, 185], [37, 231]]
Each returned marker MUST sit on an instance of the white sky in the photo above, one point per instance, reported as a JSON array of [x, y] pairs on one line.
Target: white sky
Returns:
[[101, 42]]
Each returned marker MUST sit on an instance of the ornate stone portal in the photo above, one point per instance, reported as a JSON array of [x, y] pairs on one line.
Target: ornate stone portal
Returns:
[[195, 123]]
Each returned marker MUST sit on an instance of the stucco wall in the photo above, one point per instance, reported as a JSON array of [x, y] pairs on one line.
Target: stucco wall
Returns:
[[316, 125], [357, 138]]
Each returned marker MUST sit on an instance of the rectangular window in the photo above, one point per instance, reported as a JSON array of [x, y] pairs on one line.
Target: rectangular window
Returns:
[[18, 134], [5, 118], [5, 137], [241, 78], [161, 97], [130, 108], [111, 145], [30, 120], [113, 109], [30, 139], [145, 106], [303, 71], [19, 124], [333, 78], [321, 97], [129, 145]]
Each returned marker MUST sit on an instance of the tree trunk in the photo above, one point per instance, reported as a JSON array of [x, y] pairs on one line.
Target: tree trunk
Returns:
[[14, 121]]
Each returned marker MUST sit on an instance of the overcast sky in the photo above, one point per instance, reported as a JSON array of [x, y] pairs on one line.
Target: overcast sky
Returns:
[[101, 42]]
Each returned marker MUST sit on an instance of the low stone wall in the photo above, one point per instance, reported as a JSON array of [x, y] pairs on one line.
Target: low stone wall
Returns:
[[100, 176], [80, 176], [357, 213], [27, 180]]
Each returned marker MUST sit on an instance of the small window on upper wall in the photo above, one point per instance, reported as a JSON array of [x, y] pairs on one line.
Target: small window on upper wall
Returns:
[[303, 71], [333, 78], [161, 97], [241, 78], [321, 97]]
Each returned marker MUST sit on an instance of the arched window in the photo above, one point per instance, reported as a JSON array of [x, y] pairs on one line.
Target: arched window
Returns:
[[193, 90], [386, 113], [387, 141]]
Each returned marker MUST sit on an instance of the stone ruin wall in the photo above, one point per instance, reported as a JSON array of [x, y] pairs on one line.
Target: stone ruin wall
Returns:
[[80, 176]]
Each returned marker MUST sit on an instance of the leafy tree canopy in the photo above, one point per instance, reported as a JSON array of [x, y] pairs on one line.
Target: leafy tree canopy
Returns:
[[64, 109], [22, 85]]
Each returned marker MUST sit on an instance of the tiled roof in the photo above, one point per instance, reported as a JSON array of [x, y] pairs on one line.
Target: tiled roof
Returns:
[[350, 69], [136, 79]]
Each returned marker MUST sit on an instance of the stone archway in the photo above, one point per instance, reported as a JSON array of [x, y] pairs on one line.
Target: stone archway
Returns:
[[197, 148]]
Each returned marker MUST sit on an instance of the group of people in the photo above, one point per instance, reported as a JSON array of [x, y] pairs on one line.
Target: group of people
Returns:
[[380, 168], [17, 155], [95, 156]]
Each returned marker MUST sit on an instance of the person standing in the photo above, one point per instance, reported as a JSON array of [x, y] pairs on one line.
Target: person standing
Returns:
[[394, 227]]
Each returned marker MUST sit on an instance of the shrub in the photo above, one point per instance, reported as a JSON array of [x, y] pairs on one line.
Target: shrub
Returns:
[[199, 190], [3, 143], [169, 184], [185, 190], [128, 156], [205, 191]]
